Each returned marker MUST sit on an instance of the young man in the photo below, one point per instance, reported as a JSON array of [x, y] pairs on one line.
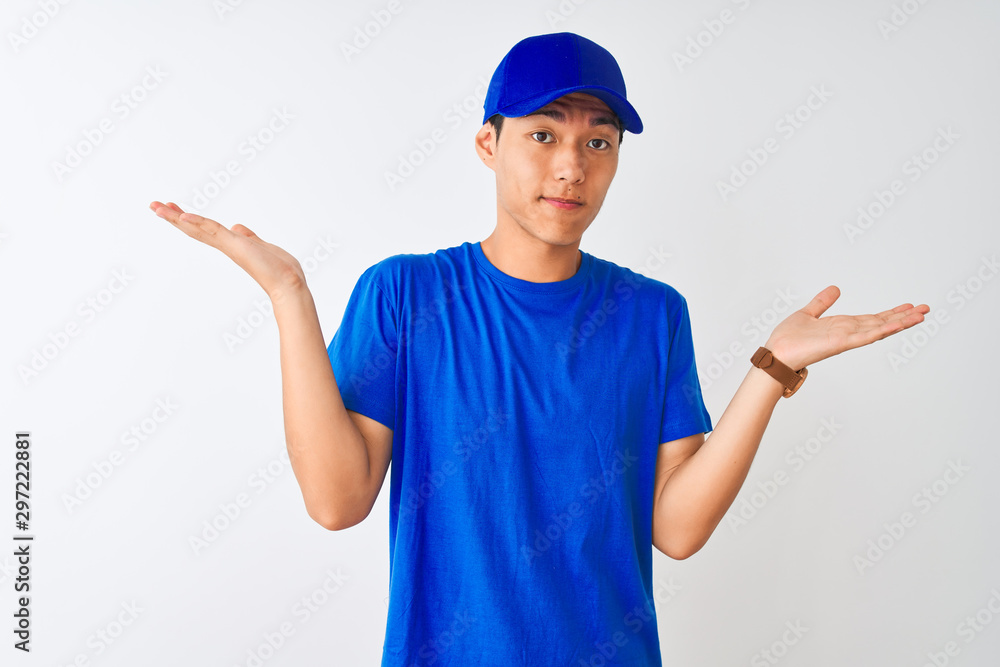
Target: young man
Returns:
[[540, 406]]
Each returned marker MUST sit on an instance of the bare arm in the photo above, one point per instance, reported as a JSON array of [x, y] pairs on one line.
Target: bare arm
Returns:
[[339, 457], [706, 474], [697, 479]]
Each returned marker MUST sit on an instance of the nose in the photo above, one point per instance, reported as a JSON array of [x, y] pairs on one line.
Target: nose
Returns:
[[569, 163]]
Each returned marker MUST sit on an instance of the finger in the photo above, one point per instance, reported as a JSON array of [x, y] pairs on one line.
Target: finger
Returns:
[[863, 324], [153, 206], [900, 314], [903, 307], [911, 317], [898, 322], [904, 313], [822, 301], [198, 227], [903, 310]]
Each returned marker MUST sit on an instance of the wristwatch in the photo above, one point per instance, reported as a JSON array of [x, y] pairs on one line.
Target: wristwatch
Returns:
[[792, 380]]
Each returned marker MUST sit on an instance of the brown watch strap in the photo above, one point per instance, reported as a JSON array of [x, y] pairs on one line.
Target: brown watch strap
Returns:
[[792, 380]]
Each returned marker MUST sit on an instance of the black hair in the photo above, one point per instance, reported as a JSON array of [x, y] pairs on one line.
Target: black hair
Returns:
[[496, 120]]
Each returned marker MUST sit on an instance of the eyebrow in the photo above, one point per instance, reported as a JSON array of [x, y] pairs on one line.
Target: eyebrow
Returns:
[[561, 117]]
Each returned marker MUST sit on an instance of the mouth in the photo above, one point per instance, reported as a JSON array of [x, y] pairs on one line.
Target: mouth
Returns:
[[563, 203]]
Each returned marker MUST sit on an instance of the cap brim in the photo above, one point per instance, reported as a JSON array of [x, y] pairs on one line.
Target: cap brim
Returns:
[[625, 111]]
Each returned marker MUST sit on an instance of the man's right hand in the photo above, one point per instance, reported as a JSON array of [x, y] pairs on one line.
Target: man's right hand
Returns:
[[340, 457], [276, 271]]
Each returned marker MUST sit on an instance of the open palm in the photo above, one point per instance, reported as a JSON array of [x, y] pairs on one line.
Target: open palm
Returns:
[[276, 271], [803, 338]]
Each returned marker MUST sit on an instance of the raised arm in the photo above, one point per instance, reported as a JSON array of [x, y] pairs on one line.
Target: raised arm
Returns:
[[698, 478], [339, 457]]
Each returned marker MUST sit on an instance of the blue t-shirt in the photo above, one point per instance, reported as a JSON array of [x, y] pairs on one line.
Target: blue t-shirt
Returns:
[[526, 422]]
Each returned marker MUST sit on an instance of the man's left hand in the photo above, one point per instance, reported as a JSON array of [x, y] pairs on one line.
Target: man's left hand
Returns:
[[803, 338]]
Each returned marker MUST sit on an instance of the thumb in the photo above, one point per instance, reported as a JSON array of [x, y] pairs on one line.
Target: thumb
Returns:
[[244, 231], [822, 301]]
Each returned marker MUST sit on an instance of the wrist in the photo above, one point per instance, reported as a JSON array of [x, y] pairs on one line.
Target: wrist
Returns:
[[291, 297], [784, 354], [767, 382], [788, 377]]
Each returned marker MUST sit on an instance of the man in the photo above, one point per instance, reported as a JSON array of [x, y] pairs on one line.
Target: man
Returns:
[[540, 406]]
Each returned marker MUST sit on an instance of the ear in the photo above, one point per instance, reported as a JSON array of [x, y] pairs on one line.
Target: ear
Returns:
[[486, 145]]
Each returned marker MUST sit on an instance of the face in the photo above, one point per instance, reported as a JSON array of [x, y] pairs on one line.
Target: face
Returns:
[[553, 167]]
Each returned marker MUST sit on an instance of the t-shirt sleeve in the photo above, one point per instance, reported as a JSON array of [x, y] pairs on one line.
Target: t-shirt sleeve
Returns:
[[684, 411], [363, 351]]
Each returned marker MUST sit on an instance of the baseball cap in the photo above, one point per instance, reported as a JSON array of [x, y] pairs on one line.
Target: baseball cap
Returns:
[[540, 69]]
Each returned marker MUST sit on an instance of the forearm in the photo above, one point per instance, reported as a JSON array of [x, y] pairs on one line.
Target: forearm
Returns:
[[327, 451], [701, 489]]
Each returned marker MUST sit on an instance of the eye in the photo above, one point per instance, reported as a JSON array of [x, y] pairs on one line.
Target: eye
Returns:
[[545, 133], [606, 146]]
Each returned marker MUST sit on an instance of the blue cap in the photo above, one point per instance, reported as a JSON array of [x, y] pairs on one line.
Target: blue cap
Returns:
[[540, 69]]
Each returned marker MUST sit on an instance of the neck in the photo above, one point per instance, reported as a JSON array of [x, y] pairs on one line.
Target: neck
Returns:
[[529, 258]]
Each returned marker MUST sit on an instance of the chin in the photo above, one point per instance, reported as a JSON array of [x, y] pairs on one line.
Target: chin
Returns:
[[562, 237]]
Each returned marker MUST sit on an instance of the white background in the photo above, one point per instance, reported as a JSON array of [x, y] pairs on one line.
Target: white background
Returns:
[[818, 550]]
